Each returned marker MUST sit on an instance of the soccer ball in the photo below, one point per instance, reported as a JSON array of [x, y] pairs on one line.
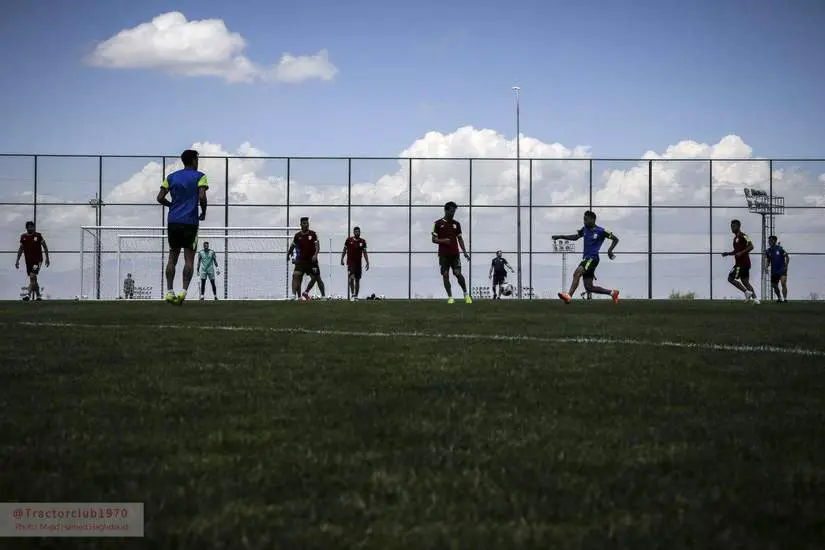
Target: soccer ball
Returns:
[[507, 289]]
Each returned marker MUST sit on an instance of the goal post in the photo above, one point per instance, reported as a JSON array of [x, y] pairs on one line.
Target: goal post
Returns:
[[252, 261]]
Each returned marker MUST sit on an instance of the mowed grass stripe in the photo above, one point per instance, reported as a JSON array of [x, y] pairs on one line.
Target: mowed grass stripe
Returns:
[[696, 346]]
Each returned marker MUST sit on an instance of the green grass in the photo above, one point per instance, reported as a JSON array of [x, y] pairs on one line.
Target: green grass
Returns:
[[266, 439]]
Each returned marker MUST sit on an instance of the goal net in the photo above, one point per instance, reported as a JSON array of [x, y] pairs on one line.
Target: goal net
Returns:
[[251, 262]]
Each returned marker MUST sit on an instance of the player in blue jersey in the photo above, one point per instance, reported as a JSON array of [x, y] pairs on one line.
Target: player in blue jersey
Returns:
[[594, 236], [207, 268], [187, 188], [779, 260]]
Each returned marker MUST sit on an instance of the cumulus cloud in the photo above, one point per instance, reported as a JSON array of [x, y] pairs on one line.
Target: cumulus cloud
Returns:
[[202, 48], [560, 181]]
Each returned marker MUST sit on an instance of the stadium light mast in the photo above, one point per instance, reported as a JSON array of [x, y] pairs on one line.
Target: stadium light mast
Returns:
[[767, 206], [564, 248], [517, 91]]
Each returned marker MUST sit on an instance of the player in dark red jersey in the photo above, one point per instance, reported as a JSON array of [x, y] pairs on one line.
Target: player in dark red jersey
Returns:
[[739, 276], [33, 247], [447, 235], [354, 249], [306, 245]]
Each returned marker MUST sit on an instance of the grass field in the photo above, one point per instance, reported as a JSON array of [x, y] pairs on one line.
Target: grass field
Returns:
[[422, 425]]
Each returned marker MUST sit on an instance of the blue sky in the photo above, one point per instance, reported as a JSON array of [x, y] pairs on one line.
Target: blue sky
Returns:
[[621, 77]]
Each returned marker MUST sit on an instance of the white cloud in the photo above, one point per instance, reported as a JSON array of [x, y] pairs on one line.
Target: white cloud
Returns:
[[202, 48], [560, 179]]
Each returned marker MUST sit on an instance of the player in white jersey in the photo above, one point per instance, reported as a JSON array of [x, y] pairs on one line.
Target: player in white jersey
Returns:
[[208, 268]]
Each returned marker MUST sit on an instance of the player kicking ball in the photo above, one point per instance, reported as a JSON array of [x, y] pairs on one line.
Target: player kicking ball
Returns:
[[447, 235], [33, 247], [307, 247], [594, 236], [207, 269], [187, 188], [355, 248], [498, 273]]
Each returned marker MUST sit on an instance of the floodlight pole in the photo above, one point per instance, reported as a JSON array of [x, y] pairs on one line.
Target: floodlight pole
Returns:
[[517, 90]]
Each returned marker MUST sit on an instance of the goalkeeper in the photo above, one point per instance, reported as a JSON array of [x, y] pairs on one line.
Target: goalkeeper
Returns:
[[208, 268]]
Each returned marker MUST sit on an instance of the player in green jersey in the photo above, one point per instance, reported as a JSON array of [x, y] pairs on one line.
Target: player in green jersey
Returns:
[[208, 268]]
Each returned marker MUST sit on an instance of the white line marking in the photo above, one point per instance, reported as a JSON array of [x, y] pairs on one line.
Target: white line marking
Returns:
[[488, 337]]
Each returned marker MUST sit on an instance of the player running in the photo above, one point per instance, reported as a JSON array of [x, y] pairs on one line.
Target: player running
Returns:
[[739, 276], [447, 235], [33, 247], [498, 273], [594, 236], [354, 248], [779, 260], [207, 269], [306, 246], [188, 189]]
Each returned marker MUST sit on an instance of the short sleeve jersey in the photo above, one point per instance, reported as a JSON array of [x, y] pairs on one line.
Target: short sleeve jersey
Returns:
[[355, 250], [184, 187], [207, 259], [447, 229], [776, 255], [740, 244], [304, 246], [32, 244], [594, 238], [498, 266]]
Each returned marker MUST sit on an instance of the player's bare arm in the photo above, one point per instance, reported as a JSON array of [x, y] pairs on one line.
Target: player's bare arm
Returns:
[[613, 244], [463, 248], [366, 258], [203, 202], [317, 251], [507, 264], [45, 251], [344, 253], [574, 237], [19, 255], [291, 248], [162, 197]]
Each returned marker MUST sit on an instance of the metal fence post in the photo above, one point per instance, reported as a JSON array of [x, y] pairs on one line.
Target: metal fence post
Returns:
[[650, 230], [99, 222], [226, 229], [349, 214], [409, 229], [470, 236], [162, 241], [590, 185], [530, 237], [710, 226], [288, 179], [34, 212]]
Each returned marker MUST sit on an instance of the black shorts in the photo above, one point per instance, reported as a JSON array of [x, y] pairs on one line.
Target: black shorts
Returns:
[[32, 269], [499, 278], [589, 267], [446, 263], [354, 271], [738, 273], [308, 268], [777, 277], [182, 236]]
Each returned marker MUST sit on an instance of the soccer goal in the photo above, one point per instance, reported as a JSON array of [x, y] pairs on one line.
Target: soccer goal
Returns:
[[252, 261]]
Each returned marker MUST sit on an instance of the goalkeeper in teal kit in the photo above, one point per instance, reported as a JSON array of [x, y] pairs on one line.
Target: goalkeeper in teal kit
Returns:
[[208, 268]]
